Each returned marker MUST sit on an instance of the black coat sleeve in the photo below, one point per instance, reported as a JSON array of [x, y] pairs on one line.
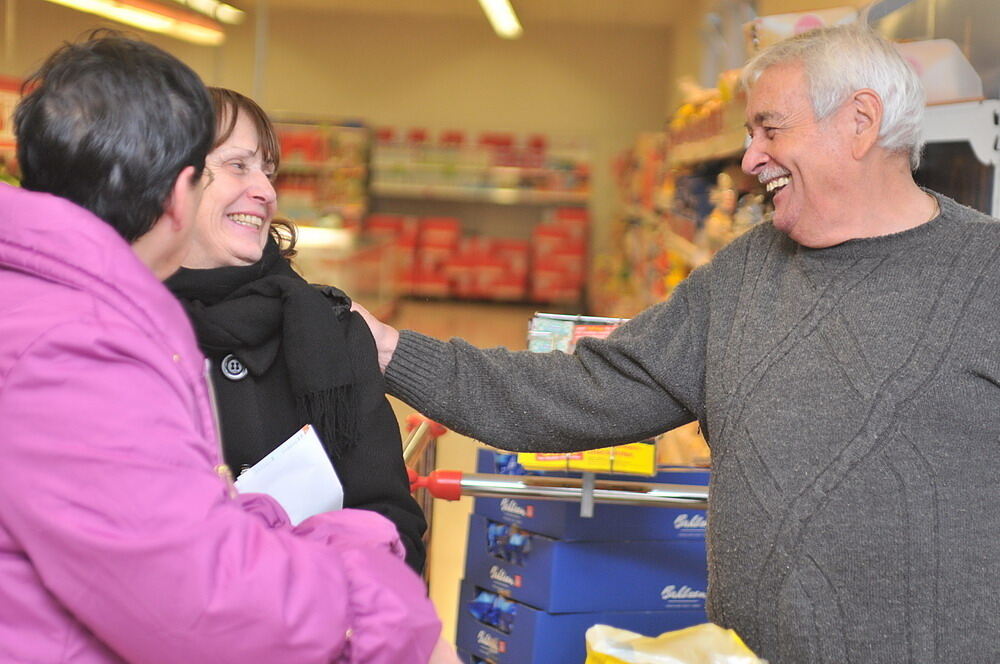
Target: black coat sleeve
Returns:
[[372, 470]]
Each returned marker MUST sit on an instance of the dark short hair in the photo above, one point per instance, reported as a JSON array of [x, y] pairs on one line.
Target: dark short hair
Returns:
[[228, 104], [109, 123]]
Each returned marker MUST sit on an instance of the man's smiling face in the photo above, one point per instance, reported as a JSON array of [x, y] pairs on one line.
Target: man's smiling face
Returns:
[[800, 159]]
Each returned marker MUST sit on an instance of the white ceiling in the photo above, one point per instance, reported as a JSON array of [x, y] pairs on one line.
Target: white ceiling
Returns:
[[618, 12]]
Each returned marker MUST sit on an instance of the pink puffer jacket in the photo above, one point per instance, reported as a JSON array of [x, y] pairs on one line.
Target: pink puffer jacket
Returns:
[[118, 539]]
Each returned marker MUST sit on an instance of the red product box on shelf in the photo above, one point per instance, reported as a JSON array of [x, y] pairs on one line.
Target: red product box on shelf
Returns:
[[405, 279], [301, 145], [384, 225], [440, 231], [489, 269], [433, 259], [572, 262], [452, 138], [460, 271], [430, 284], [546, 238], [514, 252], [552, 282], [385, 134], [416, 136], [510, 287], [575, 220]]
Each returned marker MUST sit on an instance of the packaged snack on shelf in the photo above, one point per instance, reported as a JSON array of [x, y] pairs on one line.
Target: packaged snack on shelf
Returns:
[[548, 332], [630, 458]]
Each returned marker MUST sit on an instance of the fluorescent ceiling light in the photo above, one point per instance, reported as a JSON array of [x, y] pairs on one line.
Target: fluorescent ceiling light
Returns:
[[220, 11], [153, 17], [502, 18]]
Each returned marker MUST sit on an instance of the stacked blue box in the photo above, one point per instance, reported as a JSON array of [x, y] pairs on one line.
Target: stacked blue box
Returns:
[[526, 635], [561, 576], [469, 658], [562, 520], [538, 574]]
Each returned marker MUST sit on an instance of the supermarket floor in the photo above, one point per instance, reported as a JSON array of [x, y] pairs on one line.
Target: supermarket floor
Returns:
[[482, 325]]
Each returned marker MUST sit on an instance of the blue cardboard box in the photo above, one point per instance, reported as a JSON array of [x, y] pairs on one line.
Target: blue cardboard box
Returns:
[[469, 658], [572, 576], [532, 636], [562, 520]]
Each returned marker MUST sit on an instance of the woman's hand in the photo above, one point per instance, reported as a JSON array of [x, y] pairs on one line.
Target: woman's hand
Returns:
[[386, 336]]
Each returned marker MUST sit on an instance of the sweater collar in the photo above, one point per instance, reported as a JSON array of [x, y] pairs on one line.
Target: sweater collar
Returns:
[[894, 242]]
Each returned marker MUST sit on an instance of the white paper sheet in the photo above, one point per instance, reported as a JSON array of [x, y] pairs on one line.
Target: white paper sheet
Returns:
[[299, 475]]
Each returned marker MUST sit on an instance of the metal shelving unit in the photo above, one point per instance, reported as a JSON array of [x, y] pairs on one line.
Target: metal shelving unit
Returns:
[[976, 123]]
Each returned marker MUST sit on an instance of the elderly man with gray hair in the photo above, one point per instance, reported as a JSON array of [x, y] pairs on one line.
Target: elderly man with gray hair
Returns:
[[841, 361]]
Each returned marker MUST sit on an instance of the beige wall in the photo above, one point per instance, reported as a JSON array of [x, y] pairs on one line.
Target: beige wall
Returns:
[[600, 84]]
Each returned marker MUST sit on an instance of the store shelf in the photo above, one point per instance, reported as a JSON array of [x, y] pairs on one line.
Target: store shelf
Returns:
[[720, 134], [498, 195], [975, 122], [308, 167], [721, 146]]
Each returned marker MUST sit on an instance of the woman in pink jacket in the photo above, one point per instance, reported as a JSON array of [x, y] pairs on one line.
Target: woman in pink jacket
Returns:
[[121, 537]]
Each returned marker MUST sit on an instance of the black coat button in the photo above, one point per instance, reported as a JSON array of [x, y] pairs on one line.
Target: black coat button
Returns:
[[232, 368]]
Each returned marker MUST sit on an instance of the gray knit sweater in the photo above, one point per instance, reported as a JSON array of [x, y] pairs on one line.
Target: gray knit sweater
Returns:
[[851, 399]]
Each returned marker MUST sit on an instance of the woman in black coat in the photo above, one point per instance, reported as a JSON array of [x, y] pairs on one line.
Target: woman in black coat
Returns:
[[282, 352]]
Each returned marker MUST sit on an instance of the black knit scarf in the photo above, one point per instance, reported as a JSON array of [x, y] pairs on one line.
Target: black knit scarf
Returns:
[[252, 311]]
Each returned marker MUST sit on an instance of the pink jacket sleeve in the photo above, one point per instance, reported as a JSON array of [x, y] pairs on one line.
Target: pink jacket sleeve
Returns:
[[110, 490]]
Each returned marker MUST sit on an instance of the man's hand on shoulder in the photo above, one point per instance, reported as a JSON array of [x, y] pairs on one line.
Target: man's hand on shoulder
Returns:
[[386, 336]]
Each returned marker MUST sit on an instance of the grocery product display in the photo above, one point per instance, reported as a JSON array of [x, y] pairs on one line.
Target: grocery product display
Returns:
[[435, 256], [501, 218], [323, 179], [499, 167], [548, 332], [538, 575], [683, 196]]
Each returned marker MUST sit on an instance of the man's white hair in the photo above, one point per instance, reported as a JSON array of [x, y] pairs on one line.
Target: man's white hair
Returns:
[[843, 59]]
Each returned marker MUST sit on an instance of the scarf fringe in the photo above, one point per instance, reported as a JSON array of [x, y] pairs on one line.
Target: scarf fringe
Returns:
[[332, 412]]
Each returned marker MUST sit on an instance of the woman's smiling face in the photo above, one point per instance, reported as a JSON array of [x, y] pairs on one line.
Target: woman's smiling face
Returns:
[[238, 202]]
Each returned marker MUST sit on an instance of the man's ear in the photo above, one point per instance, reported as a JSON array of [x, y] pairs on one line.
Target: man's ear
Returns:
[[182, 204], [865, 121]]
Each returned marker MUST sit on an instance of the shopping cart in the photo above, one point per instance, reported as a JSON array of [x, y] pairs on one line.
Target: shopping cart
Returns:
[[586, 490]]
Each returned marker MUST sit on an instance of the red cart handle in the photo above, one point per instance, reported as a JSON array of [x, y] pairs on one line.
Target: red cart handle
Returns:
[[445, 484]]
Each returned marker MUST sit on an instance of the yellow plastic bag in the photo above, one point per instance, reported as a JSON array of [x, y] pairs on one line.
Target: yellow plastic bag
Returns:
[[701, 644]]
